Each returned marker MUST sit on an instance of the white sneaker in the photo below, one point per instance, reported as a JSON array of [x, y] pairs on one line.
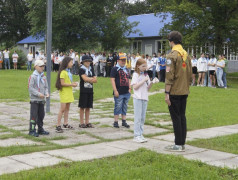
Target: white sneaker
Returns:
[[143, 138], [138, 139]]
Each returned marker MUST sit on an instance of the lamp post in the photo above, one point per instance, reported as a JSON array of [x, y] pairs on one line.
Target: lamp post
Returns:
[[48, 50]]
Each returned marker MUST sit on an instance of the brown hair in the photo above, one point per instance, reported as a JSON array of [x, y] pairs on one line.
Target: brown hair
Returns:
[[63, 66], [138, 63], [175, 36]]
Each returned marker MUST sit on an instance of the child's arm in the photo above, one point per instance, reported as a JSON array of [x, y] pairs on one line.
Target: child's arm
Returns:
[[89, 79], [136, 86], [74, 84], [116, 94]]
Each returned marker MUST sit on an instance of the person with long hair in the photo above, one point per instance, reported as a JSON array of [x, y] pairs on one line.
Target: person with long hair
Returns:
[[65, 84], [141, 84]]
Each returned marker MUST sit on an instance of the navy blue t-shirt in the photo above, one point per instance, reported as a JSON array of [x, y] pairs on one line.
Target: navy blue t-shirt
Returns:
[[121, 80]]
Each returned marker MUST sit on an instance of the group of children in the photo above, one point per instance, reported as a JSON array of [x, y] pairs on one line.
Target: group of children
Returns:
[[121, 84]]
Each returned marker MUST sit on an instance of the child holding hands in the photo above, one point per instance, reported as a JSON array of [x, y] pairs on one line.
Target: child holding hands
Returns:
[[141, 84], [65, 86]]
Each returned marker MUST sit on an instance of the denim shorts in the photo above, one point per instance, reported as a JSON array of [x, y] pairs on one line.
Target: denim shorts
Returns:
[[121, 103]]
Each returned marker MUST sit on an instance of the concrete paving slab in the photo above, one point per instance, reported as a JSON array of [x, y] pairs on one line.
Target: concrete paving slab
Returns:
[[18, 142], [151, 129], [37, 159], [83, 138], [11, 166], [128, 144], [4, 117], [20, 128], [110, 133], [101, 150], [210, 155], [230, 163], [5, 133], [87, 152]]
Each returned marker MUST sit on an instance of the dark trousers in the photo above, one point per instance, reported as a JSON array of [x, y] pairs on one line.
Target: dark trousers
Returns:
[[177, 113], [37, 115], [162, 75]]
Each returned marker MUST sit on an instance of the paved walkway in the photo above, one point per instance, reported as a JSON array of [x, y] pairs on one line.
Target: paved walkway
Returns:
[[80, 140]]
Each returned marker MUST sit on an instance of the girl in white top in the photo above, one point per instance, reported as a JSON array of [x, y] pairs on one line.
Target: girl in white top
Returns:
[[14, 59], [219, 71], [194, 69], [141, 84], [212, 67], [202, 68]]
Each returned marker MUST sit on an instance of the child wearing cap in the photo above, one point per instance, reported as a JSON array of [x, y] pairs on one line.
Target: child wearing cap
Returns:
[[87, 78], [120, 80], [38, 89]]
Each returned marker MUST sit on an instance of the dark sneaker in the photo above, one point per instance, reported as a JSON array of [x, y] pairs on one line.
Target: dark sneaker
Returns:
[[115, 125], [59, 129], [33, 133], [43, 132], [175, 148], [124, 124]]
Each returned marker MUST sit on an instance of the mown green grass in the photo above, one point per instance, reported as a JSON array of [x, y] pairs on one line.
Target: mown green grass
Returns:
[[206, 107], [222, 143], [141, 164]]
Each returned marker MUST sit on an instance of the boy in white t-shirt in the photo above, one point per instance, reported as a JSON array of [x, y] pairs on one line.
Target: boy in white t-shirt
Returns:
[[6, 58], [29, 60], [14, 59]]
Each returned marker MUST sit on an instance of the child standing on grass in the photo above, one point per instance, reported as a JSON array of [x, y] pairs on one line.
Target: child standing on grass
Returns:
[[87, 78], [120, 80], [38, 89], [141, 84], [64, 84]]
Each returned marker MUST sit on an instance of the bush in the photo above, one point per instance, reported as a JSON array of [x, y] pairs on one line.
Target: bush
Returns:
[[21, 57]]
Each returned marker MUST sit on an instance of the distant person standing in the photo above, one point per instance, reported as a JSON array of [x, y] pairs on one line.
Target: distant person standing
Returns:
[[6, 58], [212, 67], [162, 64], [224, 71], [29, 60], [194, 68], [1, 59], [15, 59], [178, 80], [202, 69]]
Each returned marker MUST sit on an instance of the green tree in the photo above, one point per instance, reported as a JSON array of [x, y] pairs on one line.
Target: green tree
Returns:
[[201, 21], [14, 26], [79, 23]]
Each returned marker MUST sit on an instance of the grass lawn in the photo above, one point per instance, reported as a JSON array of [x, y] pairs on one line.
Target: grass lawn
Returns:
[[140, 164], [206, 107], [222, 143]]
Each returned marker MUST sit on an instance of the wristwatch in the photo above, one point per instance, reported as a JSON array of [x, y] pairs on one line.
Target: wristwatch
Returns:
[[166, 92]]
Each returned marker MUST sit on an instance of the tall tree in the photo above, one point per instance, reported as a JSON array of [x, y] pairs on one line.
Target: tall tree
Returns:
[[201, 21], [13, 24], [79, 23]]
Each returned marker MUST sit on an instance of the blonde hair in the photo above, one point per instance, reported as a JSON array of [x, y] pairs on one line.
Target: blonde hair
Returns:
[[138, 63]]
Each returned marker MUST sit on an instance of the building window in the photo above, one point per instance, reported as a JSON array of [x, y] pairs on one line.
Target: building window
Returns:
[[137, 47], [162, 46]]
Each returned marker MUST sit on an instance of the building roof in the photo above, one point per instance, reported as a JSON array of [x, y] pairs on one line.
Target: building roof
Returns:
[[31, 40], [149, 24]]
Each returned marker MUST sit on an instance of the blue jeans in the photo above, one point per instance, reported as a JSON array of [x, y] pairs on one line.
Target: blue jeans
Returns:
[[154, 68], [7, 61], [29, 63], [224, 79], [219, 77], [140, 107], [121, 103], [207, 78]]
